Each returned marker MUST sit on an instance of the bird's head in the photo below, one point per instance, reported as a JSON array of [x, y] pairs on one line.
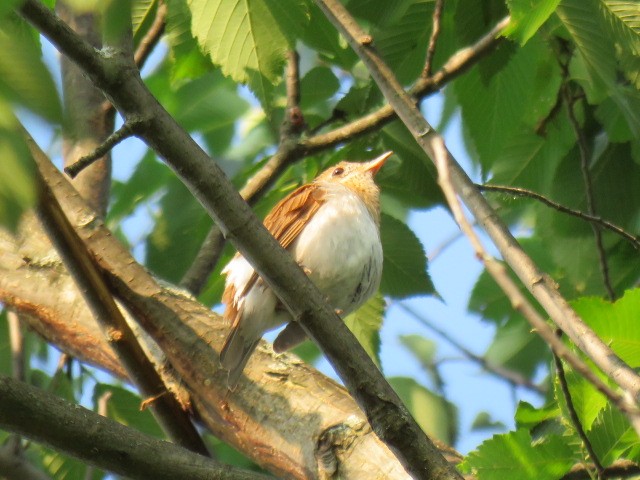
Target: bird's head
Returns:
[[357, 177]]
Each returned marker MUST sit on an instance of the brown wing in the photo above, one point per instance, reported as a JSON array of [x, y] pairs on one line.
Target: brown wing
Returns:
[[286, 220]]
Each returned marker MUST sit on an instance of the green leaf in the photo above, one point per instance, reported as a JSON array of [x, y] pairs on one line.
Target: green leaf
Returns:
[[422, 348], [123, 406], [414, 180], [17, 189], [187, 59], [583, 20], [530, 160], [403, 41], [624, 22], [587, 401], [495, 109], [249, 38], [527, 16], [143, 13], [596, 66], [512, 455], [615, 323], [516, 347], [435, 415], [404, 272], [483, 421], [24, 79], [181, 226], [147, 179], [529, 417], [612, 437], [365, 324], [318, 85], [322, 36]]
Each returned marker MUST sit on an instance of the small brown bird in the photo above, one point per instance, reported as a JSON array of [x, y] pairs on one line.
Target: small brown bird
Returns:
[[331, 227]]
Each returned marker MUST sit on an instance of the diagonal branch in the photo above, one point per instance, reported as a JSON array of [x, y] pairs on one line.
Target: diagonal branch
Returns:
[[120, 80], [539, 283], [100, 441], [83, 268]]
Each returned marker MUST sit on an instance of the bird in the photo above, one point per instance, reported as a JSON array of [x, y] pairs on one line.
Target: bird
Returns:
[[331, 227]]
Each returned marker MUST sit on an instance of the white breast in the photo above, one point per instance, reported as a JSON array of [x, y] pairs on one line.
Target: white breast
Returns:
[[340, 248]]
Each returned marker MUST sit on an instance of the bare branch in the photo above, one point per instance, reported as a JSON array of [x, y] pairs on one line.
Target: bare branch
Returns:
[[100, 441], [523, 192], [459, 63], [127, 130]]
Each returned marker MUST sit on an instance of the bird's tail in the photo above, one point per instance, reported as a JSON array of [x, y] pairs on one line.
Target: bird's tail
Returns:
[[235, 353]]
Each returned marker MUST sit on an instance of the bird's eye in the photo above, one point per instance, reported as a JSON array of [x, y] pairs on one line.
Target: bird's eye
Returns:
[[338, 171]]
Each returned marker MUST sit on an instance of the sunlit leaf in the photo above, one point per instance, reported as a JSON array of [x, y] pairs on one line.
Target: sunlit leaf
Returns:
[[24, 79], [365, 324], [513, 455], [436, 416], [527, 16], [249, 38], [404, 272]]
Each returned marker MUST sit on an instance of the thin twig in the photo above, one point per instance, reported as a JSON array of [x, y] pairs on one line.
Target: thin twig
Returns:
[[588, 187], [127, 130], [514, 378], [433, 40], [575, 420], [152, 37], [523, 192]]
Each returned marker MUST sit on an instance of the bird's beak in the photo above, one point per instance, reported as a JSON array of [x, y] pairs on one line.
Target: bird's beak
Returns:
[[376, 164]]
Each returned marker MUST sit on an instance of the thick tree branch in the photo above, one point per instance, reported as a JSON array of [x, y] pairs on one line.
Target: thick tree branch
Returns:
[[539, 283], [83, 434], [84, 270], [281, 403]]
